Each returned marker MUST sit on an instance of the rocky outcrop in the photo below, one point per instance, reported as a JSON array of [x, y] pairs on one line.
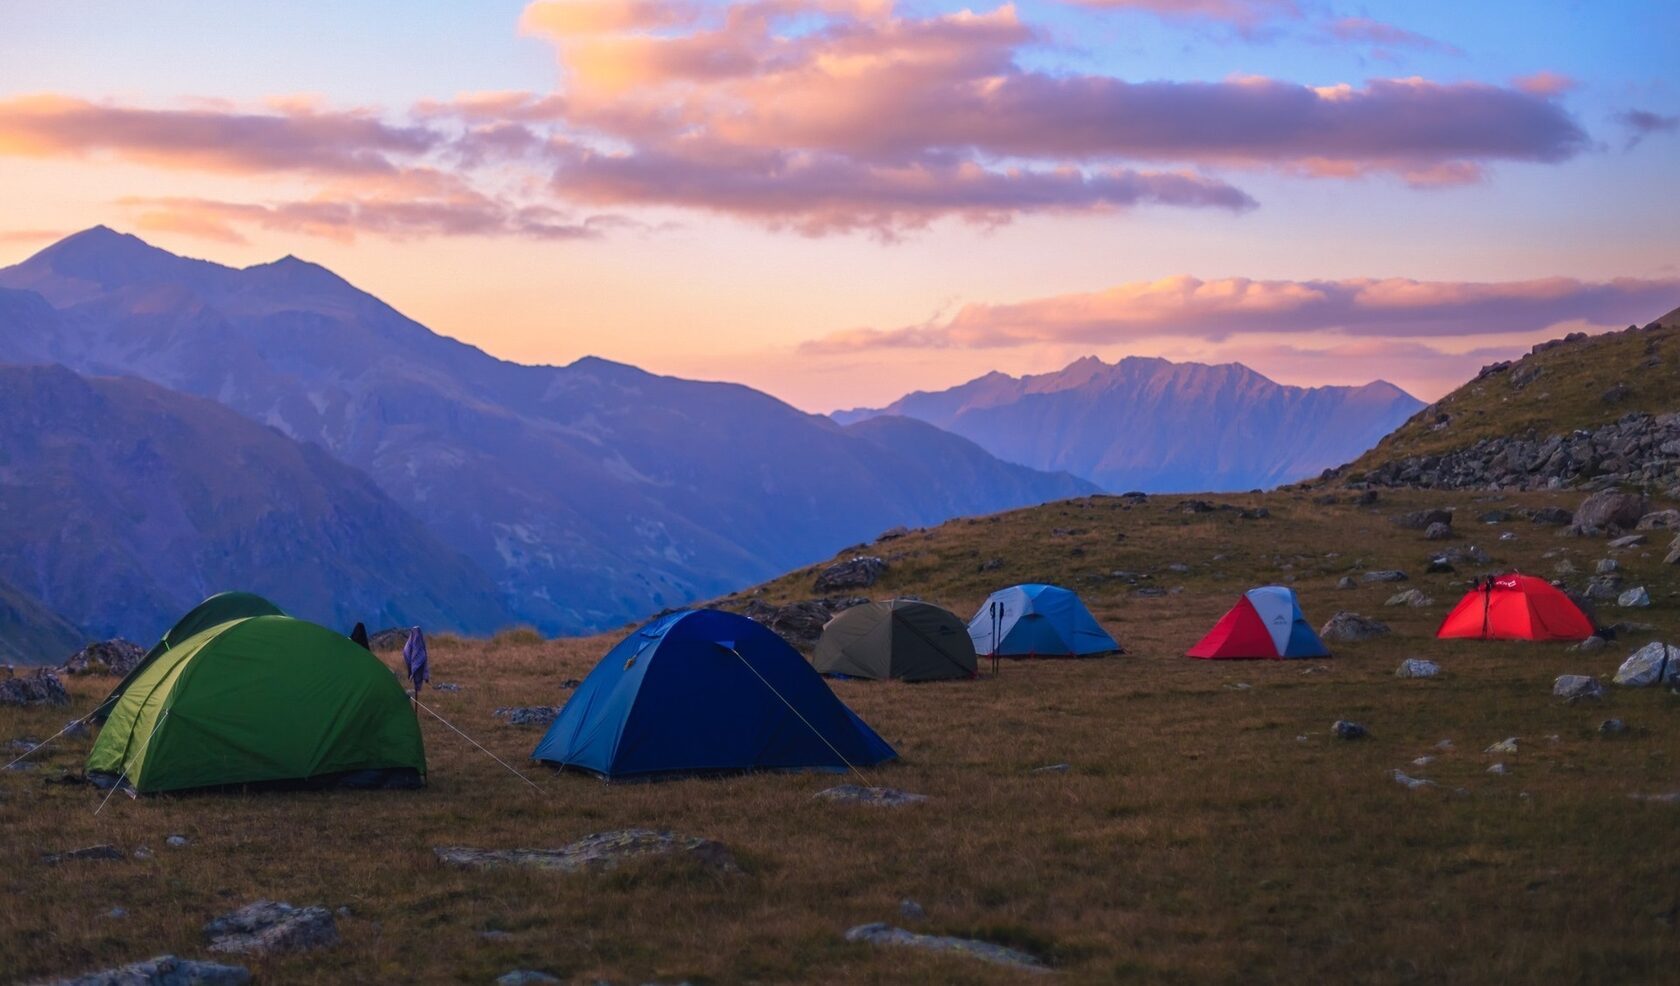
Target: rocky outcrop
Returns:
[[114, 657], [164, 970], [1637, 449], [799, 622], [1608, 511], [40, 688], [268, 926], [859, 572]]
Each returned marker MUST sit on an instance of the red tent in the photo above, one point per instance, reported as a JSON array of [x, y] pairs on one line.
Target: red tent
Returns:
[[1516, 607]]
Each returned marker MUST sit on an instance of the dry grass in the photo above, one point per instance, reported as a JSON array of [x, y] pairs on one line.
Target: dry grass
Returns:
[[1196, 839]]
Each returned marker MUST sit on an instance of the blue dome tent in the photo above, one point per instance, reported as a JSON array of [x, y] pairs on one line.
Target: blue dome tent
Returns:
[[1037, 621], [704, 691]]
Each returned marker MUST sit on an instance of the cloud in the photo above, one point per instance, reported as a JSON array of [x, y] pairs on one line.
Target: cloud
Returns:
[[299, 139], [1644, 123], [1187, 307], [1545, 83], [1237, 13], [1384, 37]]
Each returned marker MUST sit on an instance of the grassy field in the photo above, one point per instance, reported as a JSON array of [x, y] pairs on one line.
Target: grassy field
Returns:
[[1547, 393], [1210, 829]]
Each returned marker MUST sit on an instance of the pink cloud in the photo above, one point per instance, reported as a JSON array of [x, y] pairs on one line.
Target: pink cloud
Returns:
[[1363, 30], [1239, 13], [1545, 83], [1187, 307]]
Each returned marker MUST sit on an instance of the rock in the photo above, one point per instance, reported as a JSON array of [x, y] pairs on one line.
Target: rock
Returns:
[[1661, 520], [1617, 393], [1467, 553], [1612, 727], [1410, 597], [1495, 517], [1348, 730], [1607, 510], [1055, 768], [800, 622], [1655, 663], [857, 572], [596, 853], [1422, 520], [880, 797], [391, 638], [1578, 688], [1346, 582], [1507, 745], [1671, 798], [1553, 516], [1346, 627], [1591, 645], [1413, 667], [114, 657], [1384, 575], [176, 842], [991, 565], [884, 934], [893, 534], [1444, 746], [524, 977], [1635, 598], [1438, 532], [1628, 541], [265, 927], [1440, 563], [1673, 556], [1423, 761], [1498, 768], [445, 686], [117, 913], [101, 851], [1412, 783], [163, 970], [1508, 536], [909, 910], [1603, 588], [1606, 566], [527, 715], [41, 688]]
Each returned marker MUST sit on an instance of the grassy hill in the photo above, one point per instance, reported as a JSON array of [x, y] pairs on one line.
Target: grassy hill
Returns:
[[1561, 388], [1208, 829]]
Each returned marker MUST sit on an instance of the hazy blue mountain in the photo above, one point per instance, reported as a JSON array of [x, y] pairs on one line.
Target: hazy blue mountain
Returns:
[[30, 633], [1155, 425], [592, 493], [122, 504]]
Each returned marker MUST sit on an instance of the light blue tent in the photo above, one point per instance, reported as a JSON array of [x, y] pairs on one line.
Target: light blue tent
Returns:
[[705, 691], [1037, 621]]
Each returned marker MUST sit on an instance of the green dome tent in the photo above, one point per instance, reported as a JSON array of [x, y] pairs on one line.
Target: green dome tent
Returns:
[[265, 698], [218, 609], [899, 638]]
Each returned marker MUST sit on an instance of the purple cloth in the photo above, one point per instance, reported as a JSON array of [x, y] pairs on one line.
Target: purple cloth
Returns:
[[414, 657]]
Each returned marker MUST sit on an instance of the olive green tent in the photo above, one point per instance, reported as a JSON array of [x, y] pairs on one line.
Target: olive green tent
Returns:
[[900, 638], [266, 698], [220, 608]]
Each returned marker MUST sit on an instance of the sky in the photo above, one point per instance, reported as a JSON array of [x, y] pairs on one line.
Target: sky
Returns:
[[841, 201]]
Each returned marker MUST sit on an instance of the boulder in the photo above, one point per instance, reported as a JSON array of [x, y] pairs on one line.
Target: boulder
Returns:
[[1612, 727], [265, 927], [527, 715], [1634, 598], [800, 622], [857, 572], [113, 657], [1604, 588], [1577, 687], [1423, 519], [893, 534], [1591, 645], [878, 797], [390, 638], [1347, 729], [1655, 663], [1415, 667], [1607, 565], [1553, 516], [41, 688], [1347, 582], [1412, 783], [1438, 532], [163, 970], [1661, 520], [1384, 575], [1506, 745], [596, 853], [1410, 597], [1607, 510], [885, 934], [1627, 541], [1673, 556], [1346, 627]]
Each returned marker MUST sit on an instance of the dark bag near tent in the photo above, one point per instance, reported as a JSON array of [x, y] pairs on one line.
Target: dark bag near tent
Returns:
[[359, 636]]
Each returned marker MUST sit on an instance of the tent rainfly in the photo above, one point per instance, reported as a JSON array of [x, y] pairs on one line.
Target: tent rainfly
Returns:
[[1266, 623], [1516, 607], [1038, 621], [900, 638]]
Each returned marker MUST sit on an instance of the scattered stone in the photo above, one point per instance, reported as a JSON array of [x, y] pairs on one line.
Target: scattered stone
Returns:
[[40, 688], [1591, 645], [1349, 730], [176, 842], [1423, 761], [1346, 582], [1410, 597], [1055, 768], [114, 657], [1655, 663], [1508, 536], [101, 851], [1617, 393], [1608, 565], [858, 572], [1602, 588], [1422, 520], [1673, 556], [1612, 727], [1498, 768], [911, 911], [1634, 598], [524, 977], [1385, 575], [880, 797], [1412, 783], [1439, 563], [529, 715], [1346, 627], [1671, 798], [1661, 520], [1578, 688], [445, 686], [885, 934], [595, 853], [1553, 516], [1438, 532], [1495, 517], [1607, 510], [991, 564], [1507, 745], [163, 970], [264, 927], [117, 913], [1630, 541], [1414, 667]]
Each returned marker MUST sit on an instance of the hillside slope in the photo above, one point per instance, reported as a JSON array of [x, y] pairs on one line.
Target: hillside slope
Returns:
[[1578, 409], [1151, 424], [123, 504], [30, 633], [592, 493]]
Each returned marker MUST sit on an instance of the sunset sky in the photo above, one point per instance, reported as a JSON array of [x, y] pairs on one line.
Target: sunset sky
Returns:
[[840, 201]]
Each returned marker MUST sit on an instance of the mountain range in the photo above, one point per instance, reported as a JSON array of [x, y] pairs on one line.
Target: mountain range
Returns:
[[1158, 426], [582, 495]]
